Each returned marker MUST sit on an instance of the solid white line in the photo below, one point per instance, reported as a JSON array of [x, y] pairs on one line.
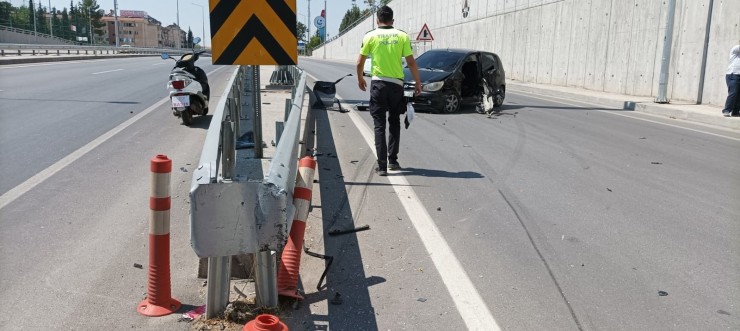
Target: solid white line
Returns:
[[564, 101], [37, 179], [469, 303], [40, 177], [105, 72]]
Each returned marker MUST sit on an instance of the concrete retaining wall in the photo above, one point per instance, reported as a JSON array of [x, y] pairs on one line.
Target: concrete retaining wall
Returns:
[[604, 45]]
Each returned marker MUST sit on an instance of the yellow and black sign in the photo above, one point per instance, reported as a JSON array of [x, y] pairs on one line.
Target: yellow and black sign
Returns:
[[254, 32]]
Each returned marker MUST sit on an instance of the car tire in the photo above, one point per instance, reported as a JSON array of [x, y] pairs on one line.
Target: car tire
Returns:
[[499, 96], [452, 103]]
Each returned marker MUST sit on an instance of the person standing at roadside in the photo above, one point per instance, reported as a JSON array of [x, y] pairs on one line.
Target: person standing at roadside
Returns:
[[387, 45], [732, 105]]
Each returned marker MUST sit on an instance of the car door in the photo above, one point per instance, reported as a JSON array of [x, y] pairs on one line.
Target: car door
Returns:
[[489, 68]]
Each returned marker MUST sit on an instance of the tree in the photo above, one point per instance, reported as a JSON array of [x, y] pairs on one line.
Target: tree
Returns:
[[31, 14], [353, 15], [5, 9], [42, 26], [56, 24], [300, 31], [64, 27], [315, 41], [190, 38], [90, 11]]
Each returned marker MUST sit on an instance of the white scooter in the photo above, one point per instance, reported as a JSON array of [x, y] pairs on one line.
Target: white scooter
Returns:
[[188, 86]]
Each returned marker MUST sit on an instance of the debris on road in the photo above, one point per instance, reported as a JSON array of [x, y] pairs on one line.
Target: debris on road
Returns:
[[335, 232], [439, 208], [608, 189], [138, 266], [662, 293], [655, 163], [183, 169], [422, 299], [337, 300], [195, 313]]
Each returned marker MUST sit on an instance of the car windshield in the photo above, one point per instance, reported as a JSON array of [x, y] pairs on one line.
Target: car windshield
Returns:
[[444, 61]]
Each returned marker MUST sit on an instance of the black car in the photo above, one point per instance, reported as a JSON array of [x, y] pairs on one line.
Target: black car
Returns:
[[451, 77]]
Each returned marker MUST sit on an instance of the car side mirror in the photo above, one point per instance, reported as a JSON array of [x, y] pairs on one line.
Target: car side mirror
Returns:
[[165, 56]]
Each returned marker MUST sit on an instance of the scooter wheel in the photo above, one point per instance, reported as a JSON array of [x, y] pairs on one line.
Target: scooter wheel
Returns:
[[187, 117]]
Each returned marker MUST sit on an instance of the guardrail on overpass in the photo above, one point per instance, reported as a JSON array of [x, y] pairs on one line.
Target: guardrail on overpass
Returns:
[[36, 49], [241, 203]]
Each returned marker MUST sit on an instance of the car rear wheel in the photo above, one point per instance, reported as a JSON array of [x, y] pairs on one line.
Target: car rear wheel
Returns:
[[452, 103], [498, 98]]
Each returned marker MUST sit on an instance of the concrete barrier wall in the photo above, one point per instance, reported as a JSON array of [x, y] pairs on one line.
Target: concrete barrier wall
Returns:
[[11, 37], [604, 45]]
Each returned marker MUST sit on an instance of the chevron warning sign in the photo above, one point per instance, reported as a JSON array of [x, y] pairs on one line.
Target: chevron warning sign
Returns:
[[254, 32]]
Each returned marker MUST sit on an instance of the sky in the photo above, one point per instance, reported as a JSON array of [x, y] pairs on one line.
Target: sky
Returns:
[[190, 11]]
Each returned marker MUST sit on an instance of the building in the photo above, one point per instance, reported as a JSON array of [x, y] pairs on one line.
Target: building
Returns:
[[135, 27], [170, 34]]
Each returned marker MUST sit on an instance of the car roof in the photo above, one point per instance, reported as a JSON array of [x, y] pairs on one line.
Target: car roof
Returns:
[[458, 50]]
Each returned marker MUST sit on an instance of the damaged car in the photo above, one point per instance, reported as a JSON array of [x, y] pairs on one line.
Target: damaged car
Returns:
[[453, 77]]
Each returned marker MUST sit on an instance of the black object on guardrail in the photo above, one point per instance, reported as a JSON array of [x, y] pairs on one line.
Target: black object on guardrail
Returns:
[[325, 92]]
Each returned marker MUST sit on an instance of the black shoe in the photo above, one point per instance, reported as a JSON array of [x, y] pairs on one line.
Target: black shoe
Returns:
[[394, 166], [381, 172], [735, 115]]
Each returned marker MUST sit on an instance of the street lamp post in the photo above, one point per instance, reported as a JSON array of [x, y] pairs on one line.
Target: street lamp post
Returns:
[[178, 42], [203, 21], [51, 25]]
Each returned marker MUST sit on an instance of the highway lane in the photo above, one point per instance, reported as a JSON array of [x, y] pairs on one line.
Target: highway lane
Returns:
[[52, 109], [70, 246], [564, 215]]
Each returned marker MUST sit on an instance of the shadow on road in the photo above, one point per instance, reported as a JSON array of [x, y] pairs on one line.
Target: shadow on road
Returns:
[[346, 286], [85, 101]]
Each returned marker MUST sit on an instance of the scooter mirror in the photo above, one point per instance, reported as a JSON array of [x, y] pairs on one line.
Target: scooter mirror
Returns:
[[196, 40], [165, 56]]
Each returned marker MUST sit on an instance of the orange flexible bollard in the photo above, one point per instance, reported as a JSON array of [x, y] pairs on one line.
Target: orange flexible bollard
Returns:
[[265, 322], [290, 261], [159, 301]]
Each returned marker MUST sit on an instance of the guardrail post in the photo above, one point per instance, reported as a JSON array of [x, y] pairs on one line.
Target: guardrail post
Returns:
[[218, 280], [2, 51], [33, 52], [257, 102], [69, 51], [19, 52], [265, 279]]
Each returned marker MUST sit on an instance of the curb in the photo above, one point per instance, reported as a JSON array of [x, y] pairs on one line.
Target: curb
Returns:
[[685, 112]]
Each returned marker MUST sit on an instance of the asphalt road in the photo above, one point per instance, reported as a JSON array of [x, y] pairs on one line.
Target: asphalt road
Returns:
[[552, 215], [562, 215], [51, 109], [71, 243]]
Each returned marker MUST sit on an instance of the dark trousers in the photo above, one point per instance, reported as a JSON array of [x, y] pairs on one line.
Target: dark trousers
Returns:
[[732, 105], [386, 97]]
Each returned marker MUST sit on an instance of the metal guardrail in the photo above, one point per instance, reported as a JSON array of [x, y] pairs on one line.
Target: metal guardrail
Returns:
[[237, 208], [42, 49]]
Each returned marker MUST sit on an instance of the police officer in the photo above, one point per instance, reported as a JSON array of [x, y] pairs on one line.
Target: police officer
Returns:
[[387, 45]]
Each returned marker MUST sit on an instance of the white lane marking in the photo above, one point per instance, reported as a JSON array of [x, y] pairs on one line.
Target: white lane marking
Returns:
[[159, 64], [468, 301], [40, 177], [105, 72], [619, 113]]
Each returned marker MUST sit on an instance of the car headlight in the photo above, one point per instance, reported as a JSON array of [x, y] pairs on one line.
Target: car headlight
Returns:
[[433, 87]]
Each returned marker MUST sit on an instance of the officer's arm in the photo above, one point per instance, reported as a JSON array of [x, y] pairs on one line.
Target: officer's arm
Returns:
[[360, 65], [411, 63]]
